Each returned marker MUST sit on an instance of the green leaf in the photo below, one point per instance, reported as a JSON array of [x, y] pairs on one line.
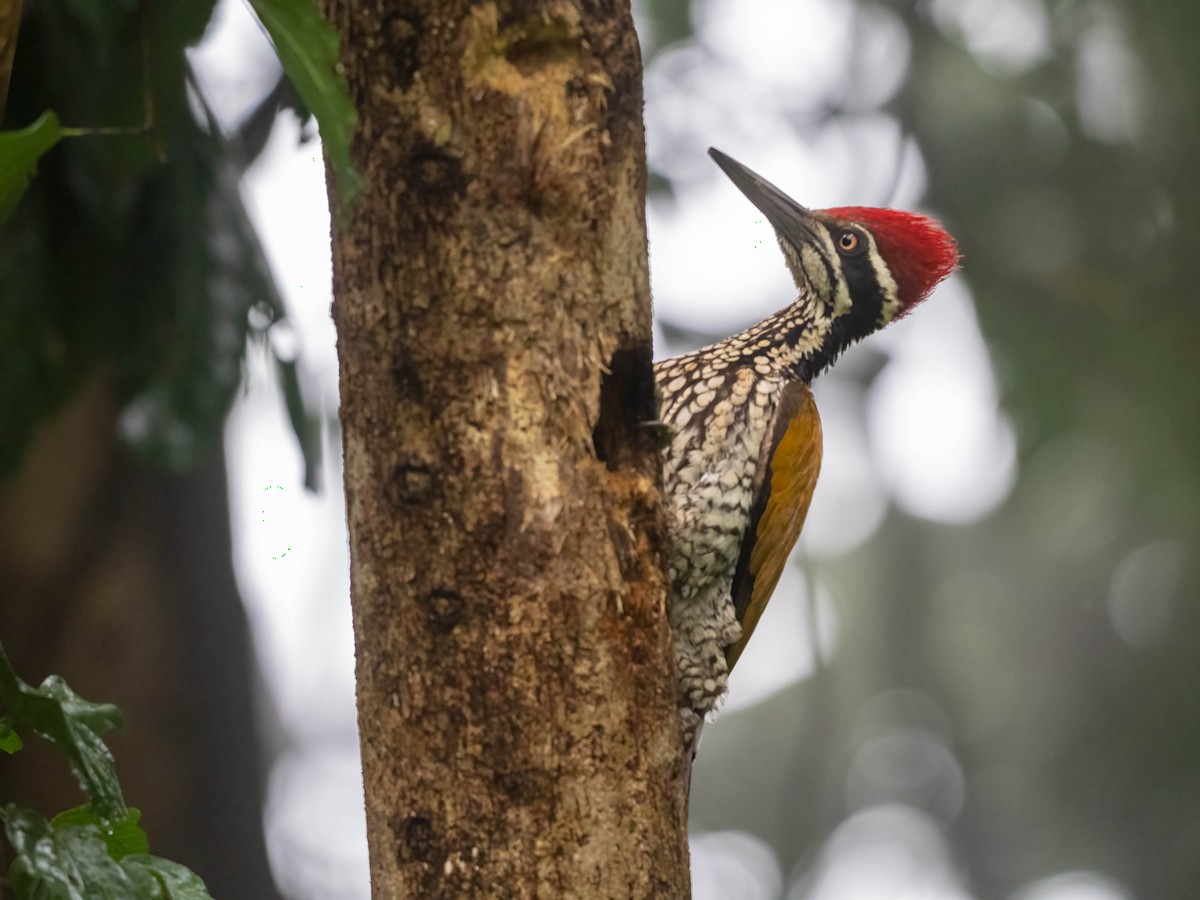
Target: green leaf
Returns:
[[121, 838], [69, 862], [177, 882], [74, 856], [305, 423], [60, 715], [10, 741], [19, 155], [75, 725], [308, 50]]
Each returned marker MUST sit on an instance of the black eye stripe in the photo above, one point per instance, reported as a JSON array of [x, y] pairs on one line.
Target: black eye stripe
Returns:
[[866, 295]]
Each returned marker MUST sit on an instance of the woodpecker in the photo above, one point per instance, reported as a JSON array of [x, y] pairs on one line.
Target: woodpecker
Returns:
[[743, 432]]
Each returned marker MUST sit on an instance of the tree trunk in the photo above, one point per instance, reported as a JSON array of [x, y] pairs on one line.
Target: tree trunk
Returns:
[[515, 681]]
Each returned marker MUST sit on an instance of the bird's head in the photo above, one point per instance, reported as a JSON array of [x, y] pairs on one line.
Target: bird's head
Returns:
[[862, 267]]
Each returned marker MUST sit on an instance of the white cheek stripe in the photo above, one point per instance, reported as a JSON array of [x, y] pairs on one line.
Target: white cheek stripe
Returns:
[[887, 284]]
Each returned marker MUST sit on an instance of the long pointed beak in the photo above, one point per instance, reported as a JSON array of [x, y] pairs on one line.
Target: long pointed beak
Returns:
[[789, 218]]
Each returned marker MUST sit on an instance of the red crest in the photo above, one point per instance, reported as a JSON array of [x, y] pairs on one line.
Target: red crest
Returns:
[[918, 251]]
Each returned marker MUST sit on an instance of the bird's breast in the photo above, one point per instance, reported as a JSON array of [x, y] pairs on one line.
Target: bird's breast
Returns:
[[718, 420]]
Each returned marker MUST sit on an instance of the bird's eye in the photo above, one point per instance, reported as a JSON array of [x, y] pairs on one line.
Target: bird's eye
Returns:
[[849, 243]]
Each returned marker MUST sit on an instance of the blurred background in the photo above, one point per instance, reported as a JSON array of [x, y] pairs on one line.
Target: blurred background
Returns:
[[980, 677]]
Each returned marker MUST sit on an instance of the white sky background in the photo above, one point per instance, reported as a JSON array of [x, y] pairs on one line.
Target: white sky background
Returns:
[[935, 442]]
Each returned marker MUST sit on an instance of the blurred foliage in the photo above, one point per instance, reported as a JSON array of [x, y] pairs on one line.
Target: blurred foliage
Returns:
[[1079, 245], [131, 253], [98, 850], [1027, 683], [308, 51], [19, 155], [1074, 192]]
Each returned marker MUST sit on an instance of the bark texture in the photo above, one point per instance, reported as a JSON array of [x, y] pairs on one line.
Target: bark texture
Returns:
[[516, 701]]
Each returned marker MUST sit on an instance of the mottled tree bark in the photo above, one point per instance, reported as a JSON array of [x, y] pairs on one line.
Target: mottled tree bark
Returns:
[[519, 732]]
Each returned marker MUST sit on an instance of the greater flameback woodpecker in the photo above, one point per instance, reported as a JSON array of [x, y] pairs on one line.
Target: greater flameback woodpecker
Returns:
[[744, 445]]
